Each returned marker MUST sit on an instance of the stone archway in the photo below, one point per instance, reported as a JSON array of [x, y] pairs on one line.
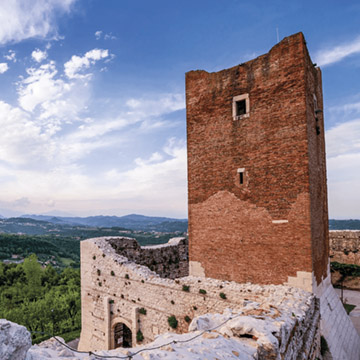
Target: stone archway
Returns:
[[122, 335]]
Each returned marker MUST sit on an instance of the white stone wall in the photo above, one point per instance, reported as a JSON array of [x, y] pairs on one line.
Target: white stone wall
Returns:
[[336, 326], [114, 289]]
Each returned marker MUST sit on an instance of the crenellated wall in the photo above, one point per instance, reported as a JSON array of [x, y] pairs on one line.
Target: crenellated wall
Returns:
[[345, 246]]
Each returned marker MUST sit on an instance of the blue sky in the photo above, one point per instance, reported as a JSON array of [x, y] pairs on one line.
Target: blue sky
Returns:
[[92, 107]]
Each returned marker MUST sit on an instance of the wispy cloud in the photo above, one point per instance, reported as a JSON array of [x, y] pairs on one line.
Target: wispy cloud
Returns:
[[99, 34], [80, 63], [343, 139], [10, 56], [343, 168], [22, 19], [336, 53]]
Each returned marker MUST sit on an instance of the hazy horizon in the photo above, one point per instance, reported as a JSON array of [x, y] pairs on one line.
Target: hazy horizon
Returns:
[[92, 97]]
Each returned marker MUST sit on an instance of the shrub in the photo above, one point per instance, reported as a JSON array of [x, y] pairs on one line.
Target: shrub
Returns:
[[94, 257], [112, 273], [143, 281], [139, 336], [100, 284], [127, 276], [186, 288], [187, 319], [142, 311], [223, 295], [111, 301], [172, 301], [98, 272], [195, 308], [202, 291], [172, 321]]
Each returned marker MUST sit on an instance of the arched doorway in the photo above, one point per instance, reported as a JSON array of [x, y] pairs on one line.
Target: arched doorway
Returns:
[[122, 336]]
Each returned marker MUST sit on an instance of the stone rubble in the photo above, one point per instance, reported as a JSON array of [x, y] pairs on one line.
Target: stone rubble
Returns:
[[15, 341]]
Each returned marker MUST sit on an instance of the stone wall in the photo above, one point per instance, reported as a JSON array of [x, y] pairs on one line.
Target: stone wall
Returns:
[[273, 223], [116, 290], [168, 260], [336, 326], [345, 246]]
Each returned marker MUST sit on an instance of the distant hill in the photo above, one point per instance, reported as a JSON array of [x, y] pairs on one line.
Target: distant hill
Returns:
[[344, 224], [132, 222]]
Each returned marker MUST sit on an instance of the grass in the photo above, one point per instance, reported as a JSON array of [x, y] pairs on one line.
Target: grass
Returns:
[[67, 261], [71, 335], [349, 308], [66, 336]]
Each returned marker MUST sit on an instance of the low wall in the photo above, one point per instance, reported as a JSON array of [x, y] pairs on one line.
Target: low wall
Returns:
[[345, 246], [115, 290], [169, 260]]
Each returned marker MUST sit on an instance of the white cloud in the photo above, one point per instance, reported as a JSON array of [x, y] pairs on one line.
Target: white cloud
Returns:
[[167, 103], [40, 86], [52, 99], [98, 34], [3, 67], [343, 139], [337, 53], [343, 169], [109, 36], [21, 140], [39, 55], [11, 56], [346, 109], [22, 19], [78, 63]]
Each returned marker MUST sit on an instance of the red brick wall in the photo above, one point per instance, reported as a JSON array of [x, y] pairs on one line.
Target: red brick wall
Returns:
[[230, 225], [317, 170]]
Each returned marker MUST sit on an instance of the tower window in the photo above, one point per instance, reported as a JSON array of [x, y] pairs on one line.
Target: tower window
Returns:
[[240, 106], [241, 179], [241, 173]]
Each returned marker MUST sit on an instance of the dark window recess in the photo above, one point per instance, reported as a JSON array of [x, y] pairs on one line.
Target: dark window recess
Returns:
[[240, 107], [241, 178], [317, 130]]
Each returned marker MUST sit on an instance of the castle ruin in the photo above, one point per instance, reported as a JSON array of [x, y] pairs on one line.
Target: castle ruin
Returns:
[[258, 221]]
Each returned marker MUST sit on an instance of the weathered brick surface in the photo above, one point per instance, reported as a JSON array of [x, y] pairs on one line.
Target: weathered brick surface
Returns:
[[231, 229]]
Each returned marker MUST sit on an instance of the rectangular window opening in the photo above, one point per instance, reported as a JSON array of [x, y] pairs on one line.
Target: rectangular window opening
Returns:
[[241, 173], [241, 107], [241, 178]]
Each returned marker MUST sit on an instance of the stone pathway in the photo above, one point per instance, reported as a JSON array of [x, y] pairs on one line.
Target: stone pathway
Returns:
[[353, 297]]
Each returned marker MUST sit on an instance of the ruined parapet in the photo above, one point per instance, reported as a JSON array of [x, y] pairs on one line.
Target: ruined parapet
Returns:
[[118, 291], [168, 260], [345, 246]]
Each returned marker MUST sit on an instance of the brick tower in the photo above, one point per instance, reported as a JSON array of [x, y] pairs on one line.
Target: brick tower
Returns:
[[257, 171]]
